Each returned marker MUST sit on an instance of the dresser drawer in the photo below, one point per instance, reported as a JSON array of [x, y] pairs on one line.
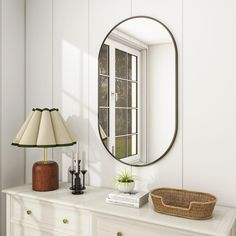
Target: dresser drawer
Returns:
[[114, 226], [57, 216], [20, 230], [106, 227]]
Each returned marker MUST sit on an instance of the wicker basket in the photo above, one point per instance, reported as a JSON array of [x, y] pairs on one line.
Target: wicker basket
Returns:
[[183, 203]]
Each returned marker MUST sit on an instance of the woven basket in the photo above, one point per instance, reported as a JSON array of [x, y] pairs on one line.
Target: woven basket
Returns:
[[183, 203]]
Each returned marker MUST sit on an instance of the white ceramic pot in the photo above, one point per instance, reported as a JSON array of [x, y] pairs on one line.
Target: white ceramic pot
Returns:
[[126, 187]]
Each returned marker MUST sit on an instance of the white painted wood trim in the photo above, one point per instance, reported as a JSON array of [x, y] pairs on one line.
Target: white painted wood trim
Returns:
[[127, 40], [8, 215]]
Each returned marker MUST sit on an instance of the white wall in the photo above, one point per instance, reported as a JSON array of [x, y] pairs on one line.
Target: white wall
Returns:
[[62, 72], [63, 39], [11, 96], [70, 71], [39, 65], [209, 112], [160, 99], [57, 69]]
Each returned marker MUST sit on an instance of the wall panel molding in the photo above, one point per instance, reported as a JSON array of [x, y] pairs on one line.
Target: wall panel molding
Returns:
[[12, 97], [64, 31], [38, 65], [209, 97], [70, 75]]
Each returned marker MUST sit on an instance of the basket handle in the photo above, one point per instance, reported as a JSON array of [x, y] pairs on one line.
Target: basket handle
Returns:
[[176, 207]]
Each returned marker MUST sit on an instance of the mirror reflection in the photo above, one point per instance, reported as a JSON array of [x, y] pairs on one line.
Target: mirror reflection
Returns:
[[137, 91]]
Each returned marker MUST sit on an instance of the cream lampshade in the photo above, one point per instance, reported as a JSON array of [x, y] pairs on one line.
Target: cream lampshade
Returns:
[[44, 128]]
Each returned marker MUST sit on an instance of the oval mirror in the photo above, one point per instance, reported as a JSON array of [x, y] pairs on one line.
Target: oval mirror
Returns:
[[137, 91]]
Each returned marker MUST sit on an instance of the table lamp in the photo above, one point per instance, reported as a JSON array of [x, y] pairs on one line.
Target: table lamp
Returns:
[[44, 128]]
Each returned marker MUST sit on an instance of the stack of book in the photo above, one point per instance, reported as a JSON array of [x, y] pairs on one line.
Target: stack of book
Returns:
[[134, 199]]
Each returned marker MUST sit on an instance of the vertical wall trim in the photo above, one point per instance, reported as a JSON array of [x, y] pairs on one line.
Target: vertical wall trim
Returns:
[[3, 75], [52, 102], [88, 162], [3, 71], [131, 14], [146, 104], [25, 42], [131, 8], [52, 99], [1, 22], [182, 87]]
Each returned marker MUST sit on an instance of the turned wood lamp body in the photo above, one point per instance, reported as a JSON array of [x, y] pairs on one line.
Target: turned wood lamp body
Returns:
[[44, 128], [45, 174]]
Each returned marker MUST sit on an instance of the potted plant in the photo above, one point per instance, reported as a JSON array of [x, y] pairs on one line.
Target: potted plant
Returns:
[[125, 182]]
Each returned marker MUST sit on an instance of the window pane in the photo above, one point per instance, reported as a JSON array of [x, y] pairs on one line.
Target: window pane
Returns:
[[121, 64], [121, 93], [132, 145], [132, 67], [121, 147], [103, 122], [103, 91], [103, 65], [132, 94], [121, 121], [105, 142], [132, 121], [129, 66]]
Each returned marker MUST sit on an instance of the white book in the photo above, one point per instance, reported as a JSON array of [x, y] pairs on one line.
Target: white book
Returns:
[[122, 203], [135, 197]]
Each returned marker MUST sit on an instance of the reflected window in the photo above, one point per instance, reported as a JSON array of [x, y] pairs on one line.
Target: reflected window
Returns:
[[138, 91], [117, 97], [103, 91]]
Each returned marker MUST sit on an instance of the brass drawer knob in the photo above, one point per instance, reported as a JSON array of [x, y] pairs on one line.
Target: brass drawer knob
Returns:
[[119, 234], [65, 221], [29, 212]]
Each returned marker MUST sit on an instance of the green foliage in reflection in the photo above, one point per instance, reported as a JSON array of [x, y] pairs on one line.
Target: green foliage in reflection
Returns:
[[124, 147]]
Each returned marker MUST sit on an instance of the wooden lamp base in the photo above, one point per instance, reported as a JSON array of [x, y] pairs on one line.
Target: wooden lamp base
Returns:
[[45, 176]]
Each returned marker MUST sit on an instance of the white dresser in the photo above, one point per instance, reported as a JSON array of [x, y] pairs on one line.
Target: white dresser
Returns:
[[60, 213]]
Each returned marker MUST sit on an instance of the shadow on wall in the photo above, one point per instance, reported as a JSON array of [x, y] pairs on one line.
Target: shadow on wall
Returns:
[[71, 92], [73, 95], [97, 161], [102, 165], [74, 123], [70, 88]]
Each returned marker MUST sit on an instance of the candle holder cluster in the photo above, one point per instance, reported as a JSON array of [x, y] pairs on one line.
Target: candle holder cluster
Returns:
[[76, 184]]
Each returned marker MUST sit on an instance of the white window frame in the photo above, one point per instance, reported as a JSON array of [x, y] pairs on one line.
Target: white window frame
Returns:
[[112, 96]]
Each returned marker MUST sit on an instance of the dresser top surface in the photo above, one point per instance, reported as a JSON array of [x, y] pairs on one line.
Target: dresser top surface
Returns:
[[94, 200]]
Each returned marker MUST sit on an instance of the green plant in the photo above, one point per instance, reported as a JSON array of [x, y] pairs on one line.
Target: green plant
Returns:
[[124, 177]]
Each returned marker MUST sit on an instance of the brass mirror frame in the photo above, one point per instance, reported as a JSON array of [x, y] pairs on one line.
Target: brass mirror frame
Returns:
[[176, 90]]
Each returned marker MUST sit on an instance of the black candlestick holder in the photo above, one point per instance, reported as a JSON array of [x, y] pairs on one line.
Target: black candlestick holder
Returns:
[[83, 173], [72, 179], [77, 187]]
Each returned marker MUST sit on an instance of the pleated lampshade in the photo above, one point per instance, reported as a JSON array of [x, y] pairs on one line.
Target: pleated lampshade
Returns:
[[44, 128]]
